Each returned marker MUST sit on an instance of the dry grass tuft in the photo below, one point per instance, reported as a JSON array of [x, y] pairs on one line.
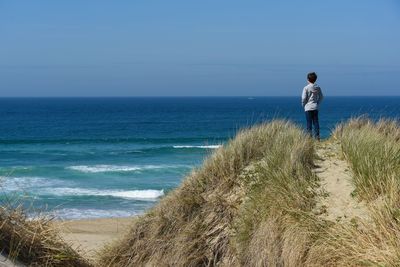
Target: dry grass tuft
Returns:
[[273, 226], [34, 242], [373, 151]]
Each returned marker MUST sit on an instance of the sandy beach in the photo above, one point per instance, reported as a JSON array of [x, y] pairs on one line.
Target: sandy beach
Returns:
[[88, 236]]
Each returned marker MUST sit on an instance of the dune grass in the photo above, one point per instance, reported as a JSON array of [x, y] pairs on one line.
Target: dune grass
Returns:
[[373, 152], [273, 226], [259, 181], [34, 242]]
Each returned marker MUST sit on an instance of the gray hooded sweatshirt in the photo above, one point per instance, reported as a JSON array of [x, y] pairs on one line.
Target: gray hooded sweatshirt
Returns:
[[311, 97]]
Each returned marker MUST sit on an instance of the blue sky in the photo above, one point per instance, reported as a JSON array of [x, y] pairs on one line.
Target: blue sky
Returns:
[[198, 48]]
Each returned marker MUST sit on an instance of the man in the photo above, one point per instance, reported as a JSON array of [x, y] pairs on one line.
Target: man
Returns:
[[311, 100]]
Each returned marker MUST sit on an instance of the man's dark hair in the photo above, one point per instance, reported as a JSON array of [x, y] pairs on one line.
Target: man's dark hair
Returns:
[[312, 77]]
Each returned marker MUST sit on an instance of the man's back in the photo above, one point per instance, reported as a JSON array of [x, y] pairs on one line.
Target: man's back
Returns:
[[311, 97]]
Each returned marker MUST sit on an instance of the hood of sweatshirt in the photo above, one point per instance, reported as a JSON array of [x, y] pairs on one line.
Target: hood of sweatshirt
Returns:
[[315, 89]]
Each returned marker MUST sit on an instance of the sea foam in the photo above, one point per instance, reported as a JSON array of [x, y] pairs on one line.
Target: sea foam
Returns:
[[9, 184], [75, 214], [148, 195], [103, 168], [121, 168]]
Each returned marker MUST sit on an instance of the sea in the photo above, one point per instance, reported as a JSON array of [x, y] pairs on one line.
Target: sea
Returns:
[[76, 158]]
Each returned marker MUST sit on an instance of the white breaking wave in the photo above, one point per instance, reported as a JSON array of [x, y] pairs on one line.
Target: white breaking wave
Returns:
[[209, 146], [120, 168], [75, 214], [149, 195], [9, 184], [103, 168]]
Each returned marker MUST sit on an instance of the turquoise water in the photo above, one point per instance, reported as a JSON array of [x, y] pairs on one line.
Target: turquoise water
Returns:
[[110, 157]]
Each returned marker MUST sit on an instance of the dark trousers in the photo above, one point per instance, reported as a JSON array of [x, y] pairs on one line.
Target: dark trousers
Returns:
[[312, 119]]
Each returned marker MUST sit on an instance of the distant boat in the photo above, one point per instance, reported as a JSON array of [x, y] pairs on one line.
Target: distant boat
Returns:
[[250, 98]]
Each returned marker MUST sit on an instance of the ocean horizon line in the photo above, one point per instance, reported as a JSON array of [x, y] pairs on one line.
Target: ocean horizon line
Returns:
[[154, 97]]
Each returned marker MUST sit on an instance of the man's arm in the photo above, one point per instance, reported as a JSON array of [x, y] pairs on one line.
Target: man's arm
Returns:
[[304, 97]]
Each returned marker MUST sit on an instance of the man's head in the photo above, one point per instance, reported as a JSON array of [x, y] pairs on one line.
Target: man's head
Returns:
[[312, 77]]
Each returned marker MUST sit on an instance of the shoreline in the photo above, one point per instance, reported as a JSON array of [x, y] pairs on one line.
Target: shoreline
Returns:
[[88, 236]]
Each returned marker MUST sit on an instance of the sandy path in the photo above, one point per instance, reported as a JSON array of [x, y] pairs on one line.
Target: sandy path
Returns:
[[88, 236], [336, 202]]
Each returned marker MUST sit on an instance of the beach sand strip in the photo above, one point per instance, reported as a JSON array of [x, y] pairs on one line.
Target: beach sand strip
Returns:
[[90, 235]]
